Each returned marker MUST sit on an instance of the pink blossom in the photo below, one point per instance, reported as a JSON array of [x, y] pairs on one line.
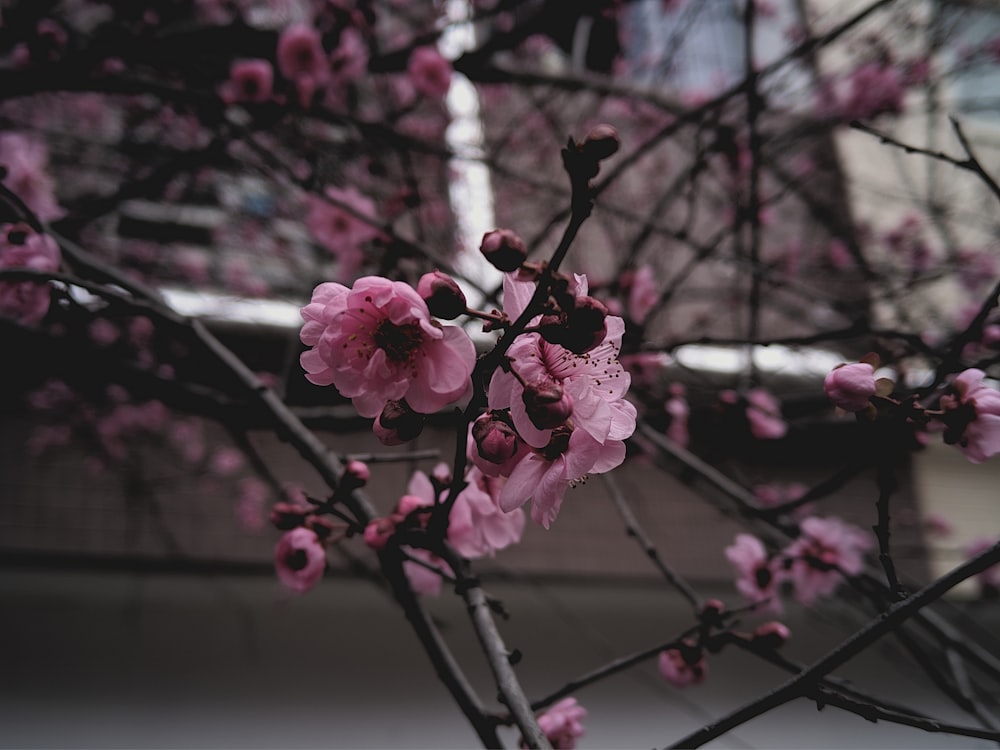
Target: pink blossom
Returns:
[[424, 580], [377, 343], [839, 254], [972, 416], [226, 462], [875, 88], [299, 559], [642, 294], [678, 410], [301, 59], [851, 386], [349, 61], [826, 549], [250, 504], [477, 527], [20, 247], [339, 230], [562, 724], [26, 159], [429, 72], [684, 666], [758, 575], [249, 81], [764, 415]]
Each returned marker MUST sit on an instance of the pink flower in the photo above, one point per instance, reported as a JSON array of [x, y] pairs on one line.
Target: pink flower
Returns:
[[972, 416], [299, 559], [337, 228], [249, 81], [642, 294], [251, 503], [758, 576], [683, 666], [850, 387], [562, 724], [678, 410], [429, 72], [764, 415], [301, 59], [226, 462], [26, 159], [826, 549], [20, 247], [377, 343], [876, 88]]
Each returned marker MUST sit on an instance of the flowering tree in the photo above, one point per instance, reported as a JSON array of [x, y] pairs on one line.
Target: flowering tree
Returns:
[[700, 204]]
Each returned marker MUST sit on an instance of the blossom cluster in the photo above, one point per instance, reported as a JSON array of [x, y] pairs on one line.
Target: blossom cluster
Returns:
[[814, 564]]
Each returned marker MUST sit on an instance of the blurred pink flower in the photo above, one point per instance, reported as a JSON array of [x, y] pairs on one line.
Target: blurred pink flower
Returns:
[[851, 386], [429, 72], [643, 293], [251, 503], [826, 549], [972, 416], [299, 559], [302, 60], [337, 228], [27, 302], [26, 159], [682, 667], [249, 81], [758, 575], [562, 724], [764, 414], [377, 343]]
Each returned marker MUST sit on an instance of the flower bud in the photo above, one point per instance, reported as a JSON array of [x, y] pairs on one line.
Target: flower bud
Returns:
[[495, 440], [285, 516], [772, 634], [601, 142], [548, 406], [504, 249], [851, 386], [356, 475], [397, 424], [378, 531], [443, 297]]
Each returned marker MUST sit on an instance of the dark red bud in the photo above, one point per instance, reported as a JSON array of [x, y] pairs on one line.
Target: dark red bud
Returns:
[[398, 424], [601, 142], [443, 297], [504, 249], [356, 475], [286, 516], [495, 440], [772, 634], [548, 406]]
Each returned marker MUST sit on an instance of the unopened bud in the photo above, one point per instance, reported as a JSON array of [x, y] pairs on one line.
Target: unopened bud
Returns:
[[397, 424], [711, 612], [504, 249], [356, 475], [443, 297], [601, 142], [548, 406], [285, 516], [772, 634], [378, 531], [496, 441]]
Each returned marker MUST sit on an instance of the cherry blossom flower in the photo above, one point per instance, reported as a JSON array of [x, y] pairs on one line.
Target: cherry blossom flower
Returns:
[[764, 415], [642, 293], [376, 342], [758, 576], [562, 724], [684, 666], [26, 159], [851, 386], [678, 410], [826, 549], [249, 81], [972, 416], [875, 88], [20, 247], [429, 72], [299, 559], [301, 59], [339, 230], [250, 504]]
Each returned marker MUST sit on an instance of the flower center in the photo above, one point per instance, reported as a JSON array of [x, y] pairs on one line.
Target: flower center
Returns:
[[296, 560], [398, 342]]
